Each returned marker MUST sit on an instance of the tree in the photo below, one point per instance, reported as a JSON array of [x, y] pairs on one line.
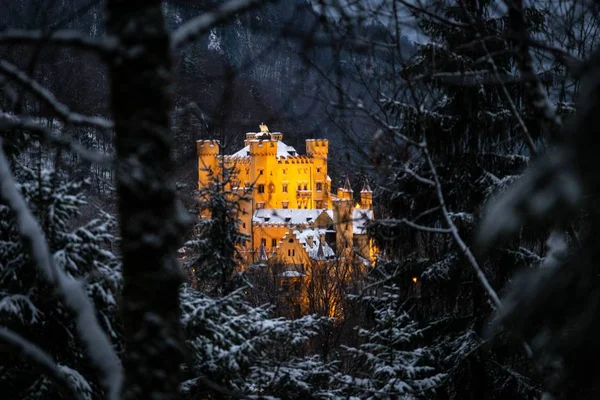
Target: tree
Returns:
[[138, 54], [388, 361], [453, 124], [29, 306], [242, 350], [214, 250]]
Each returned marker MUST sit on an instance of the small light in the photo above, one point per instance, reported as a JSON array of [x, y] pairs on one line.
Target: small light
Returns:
[[414, 279]]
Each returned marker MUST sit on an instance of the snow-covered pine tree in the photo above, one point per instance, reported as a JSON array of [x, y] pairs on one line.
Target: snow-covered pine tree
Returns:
[[244, 350], [213, 251], [31, 308], [389, 362], [459, 91]]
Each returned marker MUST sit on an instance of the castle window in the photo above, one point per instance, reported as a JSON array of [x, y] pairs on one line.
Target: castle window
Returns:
[[291, 240], [284, 171], [318, 204], [291, 252], [244, 225], [318, 170], [319, 186], [299, 187], [285, 204], [261, 188], [305, 186], [261, 171], [273, 242], [263, 242], [284, 188]]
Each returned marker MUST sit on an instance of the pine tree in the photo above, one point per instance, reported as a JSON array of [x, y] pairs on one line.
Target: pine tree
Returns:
[[389, 361], [452, 96], [241, 349], [214, 254], [29, 307]]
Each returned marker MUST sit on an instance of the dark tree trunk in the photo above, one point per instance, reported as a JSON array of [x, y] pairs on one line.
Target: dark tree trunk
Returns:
[[150, 219]]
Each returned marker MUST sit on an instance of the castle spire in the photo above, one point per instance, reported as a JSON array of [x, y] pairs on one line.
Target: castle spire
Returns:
[[366, 188], [347, 186], [366, 196], [320, 251], [262, 253]]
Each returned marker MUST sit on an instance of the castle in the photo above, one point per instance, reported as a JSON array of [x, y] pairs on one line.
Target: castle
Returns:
[[291, 215]]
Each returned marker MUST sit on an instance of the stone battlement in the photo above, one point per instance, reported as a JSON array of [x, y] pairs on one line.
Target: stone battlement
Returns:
[[207, 147]]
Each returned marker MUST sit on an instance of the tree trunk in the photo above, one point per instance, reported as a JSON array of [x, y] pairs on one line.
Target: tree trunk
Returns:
[[150, 218]]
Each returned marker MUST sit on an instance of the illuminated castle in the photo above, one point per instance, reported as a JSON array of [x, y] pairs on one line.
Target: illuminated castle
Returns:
[[291, 215]]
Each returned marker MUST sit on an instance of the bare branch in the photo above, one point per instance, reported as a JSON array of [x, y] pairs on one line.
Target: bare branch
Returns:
[[404, 221], [193, 28], [61, 141], [533, 86], [40, 358], [418, 177], [65, 38], [98, 345], [513, 108], [43, 94], [457, 238]]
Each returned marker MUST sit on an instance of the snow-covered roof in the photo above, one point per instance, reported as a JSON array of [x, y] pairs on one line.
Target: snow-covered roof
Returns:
[[291, 274], [286, 215], [283, 150], [360, 218], [245, 152], [317, 250]]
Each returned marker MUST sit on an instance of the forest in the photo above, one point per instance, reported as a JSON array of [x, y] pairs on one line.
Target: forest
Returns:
[[468, 119]]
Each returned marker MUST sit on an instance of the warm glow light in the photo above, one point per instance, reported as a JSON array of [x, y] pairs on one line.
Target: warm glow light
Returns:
[[263, 127], [357, 205], [414, 279]]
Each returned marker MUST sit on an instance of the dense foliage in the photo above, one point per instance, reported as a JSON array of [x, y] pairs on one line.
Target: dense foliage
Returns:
[[31, 307]]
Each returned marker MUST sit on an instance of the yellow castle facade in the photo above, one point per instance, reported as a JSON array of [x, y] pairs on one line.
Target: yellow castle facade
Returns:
[[291, 215]]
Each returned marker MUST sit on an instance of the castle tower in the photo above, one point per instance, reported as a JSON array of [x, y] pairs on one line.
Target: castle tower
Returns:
[[366, 196], [263, 152], [318, 150], [346, 192], [342, 219], [208, 152]]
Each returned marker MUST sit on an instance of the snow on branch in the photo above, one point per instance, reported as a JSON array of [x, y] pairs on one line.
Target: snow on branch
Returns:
[[513, 108], [550, 187], [40, 358], [66, 38], [533, 87], [98, 345], [193, 28], [457, 238], [44, 95], [389, 222], [12, 122]]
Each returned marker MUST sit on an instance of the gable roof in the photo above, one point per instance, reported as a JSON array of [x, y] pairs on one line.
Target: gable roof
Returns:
[[319, 250], [294, 216]]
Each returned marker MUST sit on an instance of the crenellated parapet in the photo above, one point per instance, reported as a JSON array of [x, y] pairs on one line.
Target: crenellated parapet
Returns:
[[207, 147], [295, 160], [317, 147], [258, 147], [239, 160]]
